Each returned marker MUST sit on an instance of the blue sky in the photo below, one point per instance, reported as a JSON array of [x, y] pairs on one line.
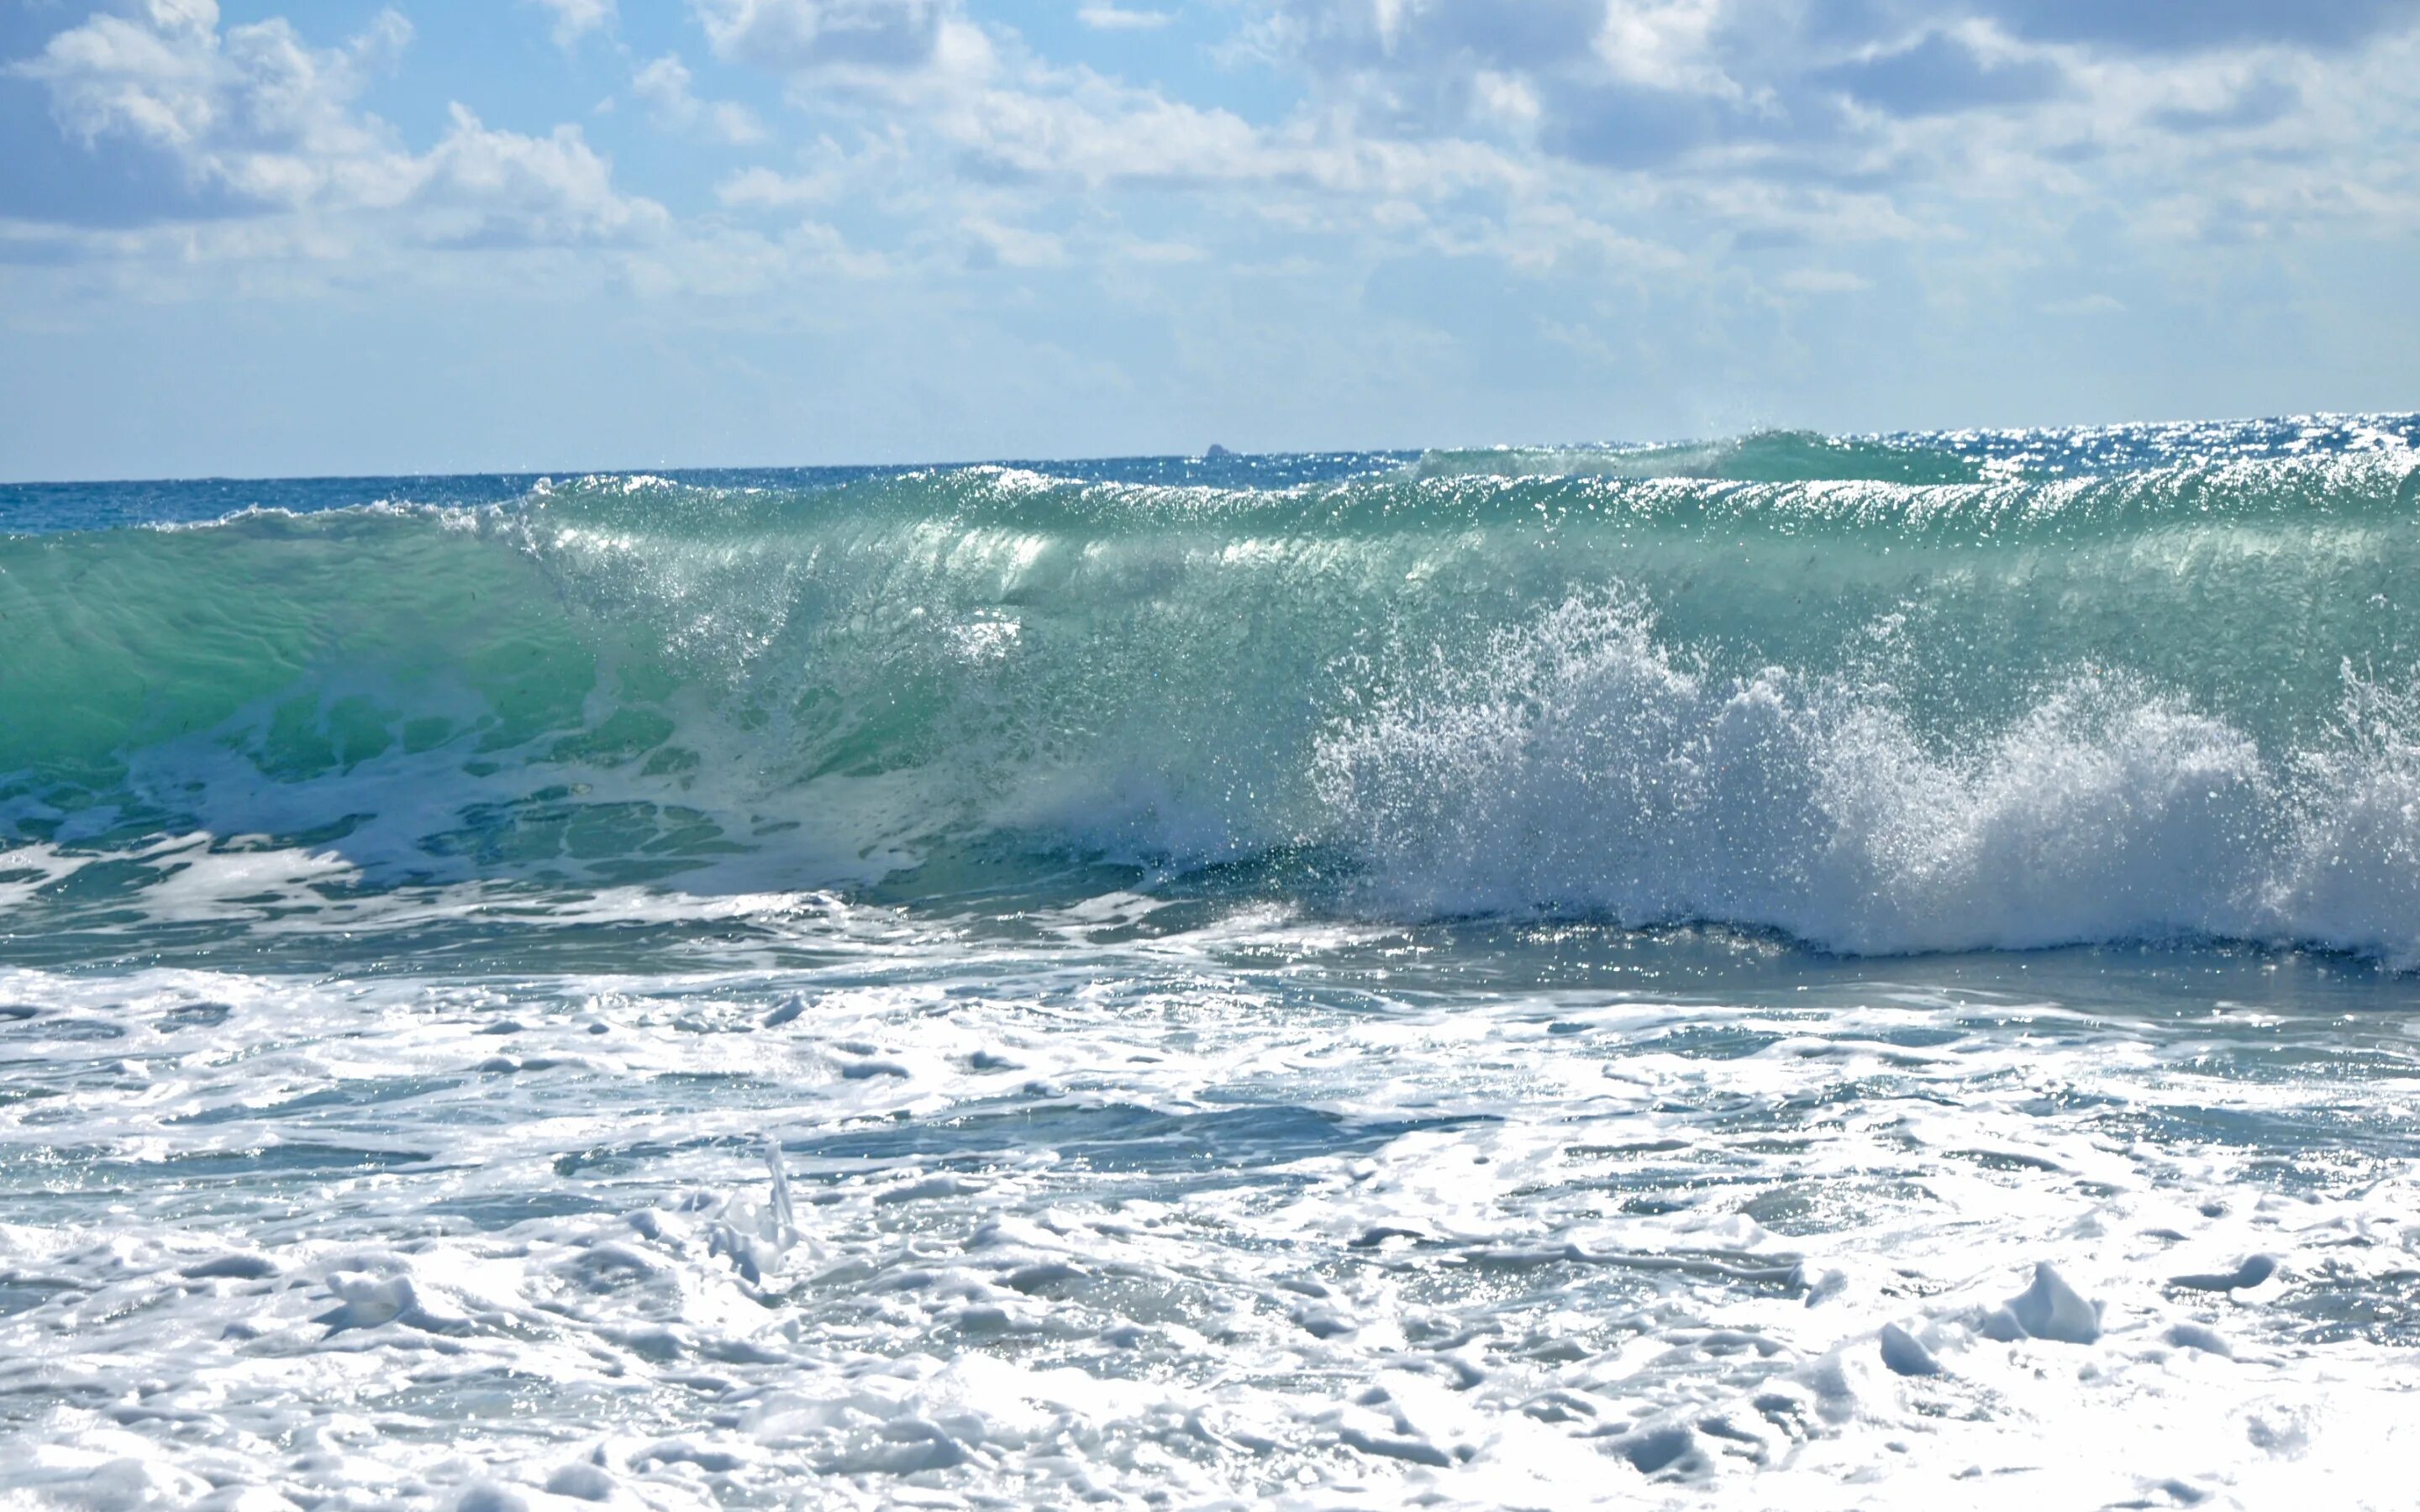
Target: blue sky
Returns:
[[264, 237]]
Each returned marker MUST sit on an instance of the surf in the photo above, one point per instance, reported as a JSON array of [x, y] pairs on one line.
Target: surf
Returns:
[[1879, 696]]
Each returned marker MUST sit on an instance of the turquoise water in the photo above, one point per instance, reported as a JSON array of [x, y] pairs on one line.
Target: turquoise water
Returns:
[[1479, 976]]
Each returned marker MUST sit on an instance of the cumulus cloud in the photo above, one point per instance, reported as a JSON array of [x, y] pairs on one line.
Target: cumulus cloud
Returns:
[[665, 83], [799, 35], [1105, 18], [1537, 134], [1600, 128], [1942, 74], [1906, 96], [1414, 34], [1000, 116], [256, 111], [260, 123], [576, 19], [2255, 103], [1557, 209], [485, 187], [762, 188], [1011, 246]]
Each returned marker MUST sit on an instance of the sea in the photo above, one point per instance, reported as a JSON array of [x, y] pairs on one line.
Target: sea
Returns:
[[1795, 971]]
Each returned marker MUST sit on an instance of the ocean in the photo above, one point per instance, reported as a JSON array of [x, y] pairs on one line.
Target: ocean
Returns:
[[1796, 971]]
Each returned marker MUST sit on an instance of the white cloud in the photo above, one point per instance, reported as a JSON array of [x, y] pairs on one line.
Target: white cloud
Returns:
[[827, 171], [256, 111], [1014, 246], [1109, 18], [665, 85], [1538, 236], [795, 35], [1546, 136], [1667, 44], [1929, 118], [483, 186], [1504, 97], [576, 19], [268, 124], [764, 188], [2086, 304], [1000, 113], [1076, 125], [1097, 131]]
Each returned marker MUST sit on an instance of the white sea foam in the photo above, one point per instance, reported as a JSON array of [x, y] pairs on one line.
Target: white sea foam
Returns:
[[1252, 1214], [1577, 768]]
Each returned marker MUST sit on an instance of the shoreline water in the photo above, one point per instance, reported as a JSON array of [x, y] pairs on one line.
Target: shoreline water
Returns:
[[988, 987]]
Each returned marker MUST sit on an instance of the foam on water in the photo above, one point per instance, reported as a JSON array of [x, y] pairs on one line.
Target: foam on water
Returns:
[[1576, 768], [1255, 1212], [1791, 971]]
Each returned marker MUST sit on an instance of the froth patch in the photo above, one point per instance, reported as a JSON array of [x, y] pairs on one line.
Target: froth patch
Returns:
[[1580, 767]]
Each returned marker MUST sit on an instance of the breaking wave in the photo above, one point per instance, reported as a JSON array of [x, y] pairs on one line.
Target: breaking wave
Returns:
[[1876, 697]]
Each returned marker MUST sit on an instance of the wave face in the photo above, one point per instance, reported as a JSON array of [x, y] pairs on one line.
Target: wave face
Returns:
[[1915, 694]]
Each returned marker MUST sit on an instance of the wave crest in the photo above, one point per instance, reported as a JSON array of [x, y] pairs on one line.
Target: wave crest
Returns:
[[1576, 768], [1878, 716]]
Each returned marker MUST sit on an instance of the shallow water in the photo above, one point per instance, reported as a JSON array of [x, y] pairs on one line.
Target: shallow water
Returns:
[[521, 1120], [1257, 1211]]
